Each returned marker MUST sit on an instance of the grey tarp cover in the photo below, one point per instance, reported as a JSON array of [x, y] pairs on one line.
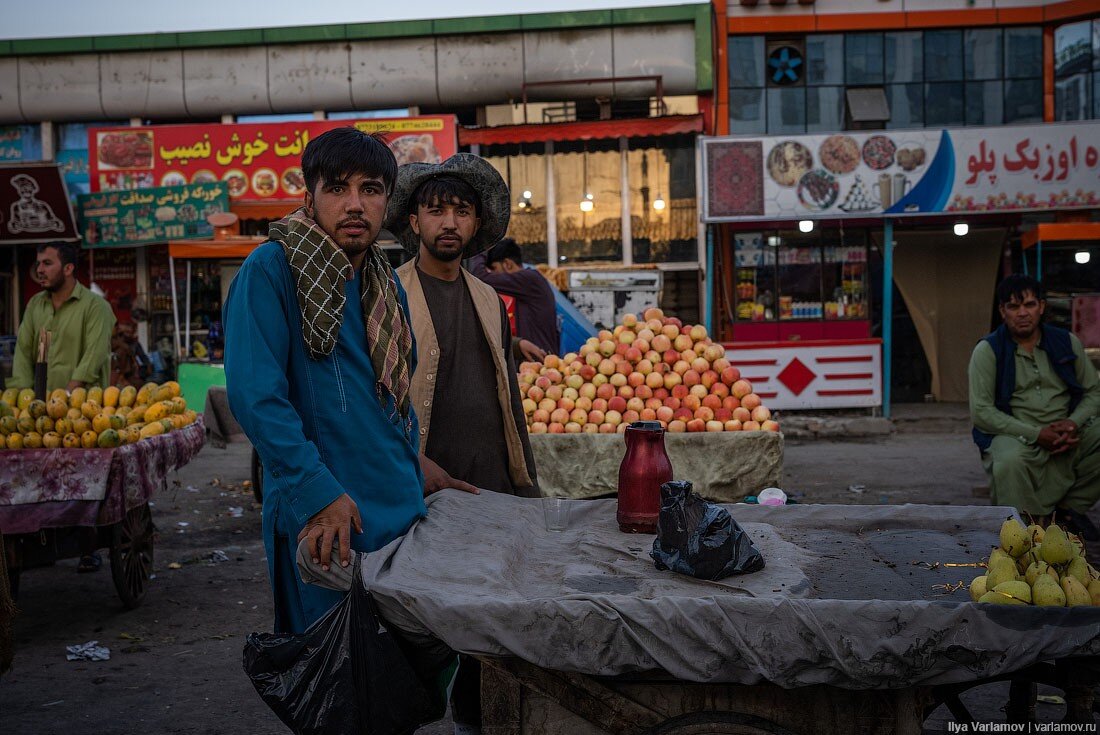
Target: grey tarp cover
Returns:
[[847, 598], [587, 465]]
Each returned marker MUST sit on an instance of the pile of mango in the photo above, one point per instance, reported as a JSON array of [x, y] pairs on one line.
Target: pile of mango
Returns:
[[91, 418], [1036, 566]]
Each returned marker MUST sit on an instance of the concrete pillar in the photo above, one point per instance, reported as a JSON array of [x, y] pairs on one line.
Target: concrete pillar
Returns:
[[551, 208], [624, 199], [141, 274], [49, 142]]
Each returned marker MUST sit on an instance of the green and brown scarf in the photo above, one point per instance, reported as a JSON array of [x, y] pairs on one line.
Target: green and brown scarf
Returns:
[[321, 270]]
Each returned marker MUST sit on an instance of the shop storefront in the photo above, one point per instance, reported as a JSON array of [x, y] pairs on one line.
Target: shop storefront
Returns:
[[932, 211], [34, 209], [159, 184], [18, 144], [609, 207], [1065, 256], [122, 227]]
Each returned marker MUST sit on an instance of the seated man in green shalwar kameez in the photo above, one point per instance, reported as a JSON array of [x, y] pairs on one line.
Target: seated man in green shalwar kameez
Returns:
[[1034, 401]]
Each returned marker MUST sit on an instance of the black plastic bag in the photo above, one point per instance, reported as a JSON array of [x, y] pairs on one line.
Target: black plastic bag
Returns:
[[346, 675], [700, 539]]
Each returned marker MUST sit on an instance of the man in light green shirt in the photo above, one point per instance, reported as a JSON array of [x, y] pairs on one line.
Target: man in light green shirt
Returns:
[[79, 323], [1034, 401]]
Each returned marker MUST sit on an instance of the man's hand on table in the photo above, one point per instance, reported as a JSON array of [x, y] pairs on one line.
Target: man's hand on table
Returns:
[[333, 521], [74, 384], [436, 479]]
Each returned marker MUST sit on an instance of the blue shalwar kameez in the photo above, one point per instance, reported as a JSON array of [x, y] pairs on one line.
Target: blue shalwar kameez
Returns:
[[317, 424]]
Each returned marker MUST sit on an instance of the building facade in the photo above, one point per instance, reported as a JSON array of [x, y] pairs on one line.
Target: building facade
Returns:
[[591, 117], [890, 138]]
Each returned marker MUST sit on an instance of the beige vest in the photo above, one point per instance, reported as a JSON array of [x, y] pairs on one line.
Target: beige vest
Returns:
[[422, 391]]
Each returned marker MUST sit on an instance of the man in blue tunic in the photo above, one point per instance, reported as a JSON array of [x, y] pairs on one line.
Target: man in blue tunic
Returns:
[[318, 358]]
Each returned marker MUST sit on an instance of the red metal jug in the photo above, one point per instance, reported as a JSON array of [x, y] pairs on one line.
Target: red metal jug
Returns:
[[644, 469]]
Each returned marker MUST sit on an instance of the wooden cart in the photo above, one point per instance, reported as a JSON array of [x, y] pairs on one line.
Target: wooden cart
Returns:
[[858, 623], [50, 499], [519, 698]]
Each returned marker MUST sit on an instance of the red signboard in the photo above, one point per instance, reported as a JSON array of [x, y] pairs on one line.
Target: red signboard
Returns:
[[34, 205], [258, 161]]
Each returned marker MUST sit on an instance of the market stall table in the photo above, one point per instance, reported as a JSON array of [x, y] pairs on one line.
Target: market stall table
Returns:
[[856, 624], [722, 466], [46, 494]]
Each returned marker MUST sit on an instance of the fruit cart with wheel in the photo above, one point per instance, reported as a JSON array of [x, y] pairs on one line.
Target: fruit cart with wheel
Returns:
[[51, 499], [860, 621]]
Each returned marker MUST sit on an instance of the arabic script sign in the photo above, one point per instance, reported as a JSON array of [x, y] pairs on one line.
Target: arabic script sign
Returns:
[[34, 206], [910, 172], [136, 217], [257, 161]]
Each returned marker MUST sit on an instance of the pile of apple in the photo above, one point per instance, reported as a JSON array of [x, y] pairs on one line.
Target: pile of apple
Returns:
[[651, 369]]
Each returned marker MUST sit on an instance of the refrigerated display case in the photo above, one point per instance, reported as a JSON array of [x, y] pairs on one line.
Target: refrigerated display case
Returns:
[[791, 285]]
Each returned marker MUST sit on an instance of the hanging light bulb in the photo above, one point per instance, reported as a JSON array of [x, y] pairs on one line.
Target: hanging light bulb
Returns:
[[586, 203], [961, 228], [1082, 257], [527, 194], [659, 203], [806, 225]]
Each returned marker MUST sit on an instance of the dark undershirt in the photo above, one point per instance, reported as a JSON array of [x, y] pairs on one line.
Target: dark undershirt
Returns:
[[466, 436]]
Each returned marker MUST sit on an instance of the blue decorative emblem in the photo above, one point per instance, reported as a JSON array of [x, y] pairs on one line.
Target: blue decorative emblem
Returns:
[[786, 65]]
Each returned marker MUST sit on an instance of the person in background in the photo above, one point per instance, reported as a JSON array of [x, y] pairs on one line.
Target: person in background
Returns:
[[319, 357], [465, 387], [129, 363], [536, 310], [1034, 401], [79, 323]]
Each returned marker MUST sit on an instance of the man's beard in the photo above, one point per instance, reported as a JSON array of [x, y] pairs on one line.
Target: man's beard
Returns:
[[1022, 332], [53, 286], [444, 255]]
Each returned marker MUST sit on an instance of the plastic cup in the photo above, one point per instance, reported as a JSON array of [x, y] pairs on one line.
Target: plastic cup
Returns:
[[771, 496], [555, 513]]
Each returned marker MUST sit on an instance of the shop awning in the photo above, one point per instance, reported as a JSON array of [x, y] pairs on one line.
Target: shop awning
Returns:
[[1060, 232], [596, 130], [214, 249], [263, 210]]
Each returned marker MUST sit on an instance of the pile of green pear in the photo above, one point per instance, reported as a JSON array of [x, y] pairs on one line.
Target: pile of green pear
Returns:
[[1033, 566]]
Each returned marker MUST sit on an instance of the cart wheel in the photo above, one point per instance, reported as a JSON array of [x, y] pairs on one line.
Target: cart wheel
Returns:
[[132, 555], [718, 723], [257, 477], [1076, 677]]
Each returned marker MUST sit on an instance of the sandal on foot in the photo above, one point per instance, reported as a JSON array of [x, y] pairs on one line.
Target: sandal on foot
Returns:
[[89, 563]]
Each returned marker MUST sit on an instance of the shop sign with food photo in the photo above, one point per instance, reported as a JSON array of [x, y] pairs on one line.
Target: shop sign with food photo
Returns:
[[256, 161], [907, 172], [137, 216]]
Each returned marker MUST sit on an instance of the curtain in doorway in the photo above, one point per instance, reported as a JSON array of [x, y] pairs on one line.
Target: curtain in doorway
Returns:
[[947, 283]]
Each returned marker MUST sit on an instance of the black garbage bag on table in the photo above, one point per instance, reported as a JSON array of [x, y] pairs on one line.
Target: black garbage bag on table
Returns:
[[700, 539], [346, 675]]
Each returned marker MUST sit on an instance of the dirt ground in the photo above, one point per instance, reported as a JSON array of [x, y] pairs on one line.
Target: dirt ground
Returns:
[[175, 662]]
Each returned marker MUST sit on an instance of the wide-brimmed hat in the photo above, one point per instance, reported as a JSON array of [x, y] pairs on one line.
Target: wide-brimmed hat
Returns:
[[496, 207]]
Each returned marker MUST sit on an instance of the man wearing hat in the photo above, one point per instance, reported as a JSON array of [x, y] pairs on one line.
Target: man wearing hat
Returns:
[[465, 387]]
